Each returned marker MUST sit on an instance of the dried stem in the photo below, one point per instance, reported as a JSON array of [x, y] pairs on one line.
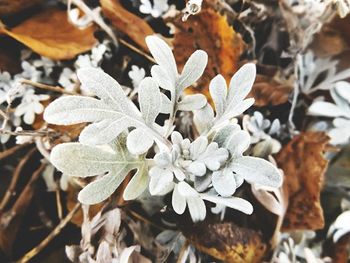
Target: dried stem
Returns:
[[12, 150], [183, 253], [12, 187], [137, 50], [32, 253], [48, 87], [42, 133], [145, 220], [59, 205]]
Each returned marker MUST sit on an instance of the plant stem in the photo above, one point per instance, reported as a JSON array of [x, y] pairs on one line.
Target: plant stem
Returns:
[[48, 87], [11, 189], [32, 253]]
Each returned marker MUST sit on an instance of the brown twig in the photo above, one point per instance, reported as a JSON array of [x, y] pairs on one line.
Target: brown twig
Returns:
[[32, 253], [145, 220], [137, 50], [42, 133], [48, 87], [12, 187], [12, 150], [59, 205]]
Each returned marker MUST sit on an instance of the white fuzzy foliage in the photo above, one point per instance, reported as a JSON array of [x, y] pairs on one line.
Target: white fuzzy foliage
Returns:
[[168, 78], [110, 115], [339, 111], [228, 103], [112, 163], [209, 168]]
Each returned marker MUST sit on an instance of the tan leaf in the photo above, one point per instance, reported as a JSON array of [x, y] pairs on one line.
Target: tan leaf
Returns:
[[129, 24], [51, 35], [208, 31], [304, 165], [9, 7], [227, 241], [267, 91]]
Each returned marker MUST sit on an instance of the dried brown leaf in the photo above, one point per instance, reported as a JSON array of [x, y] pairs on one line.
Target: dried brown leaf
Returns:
[[51, 35], [127, 23], [267, 91], [304, 165], [210, 32], [9, 7], [228, 242]]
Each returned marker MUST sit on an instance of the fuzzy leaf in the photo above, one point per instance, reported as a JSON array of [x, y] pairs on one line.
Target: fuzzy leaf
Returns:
[[137, 184], [327, 109], [232, 202], [80, 160], [192, 102], [192, 70], [218, 92], [139, 141], [163, 56], [161, 181], [77, 109], [204, 118], [257, 170], [102, 188], [240, 85], [197, 208], [104, 131], [178, 201], [150, 100], [224, 182], [112, 162], [163, 80], [110, 115]]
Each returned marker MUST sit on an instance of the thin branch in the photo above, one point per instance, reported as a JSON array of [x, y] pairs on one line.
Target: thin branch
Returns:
[[32, 253], [137, 50], [3, 114], [59, 205], [42, 133], [12, 187], [12, 150], [145, 220], [48, 87]]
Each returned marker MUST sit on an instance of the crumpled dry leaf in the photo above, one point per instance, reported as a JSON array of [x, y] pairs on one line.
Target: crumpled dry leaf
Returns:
[[304, 167], [228, 242], [51, 35], [267, 91], [9, 7], [210, 32], [129, 24]]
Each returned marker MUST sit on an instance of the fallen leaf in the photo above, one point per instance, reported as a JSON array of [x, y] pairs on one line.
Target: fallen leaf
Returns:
[[129, 24], [210, 32], [9, 7], [267, 91], [304, 166], [51, 35], [228, 242]]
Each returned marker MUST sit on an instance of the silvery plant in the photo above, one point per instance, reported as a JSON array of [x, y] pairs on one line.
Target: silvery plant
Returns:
[[122, 138]]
